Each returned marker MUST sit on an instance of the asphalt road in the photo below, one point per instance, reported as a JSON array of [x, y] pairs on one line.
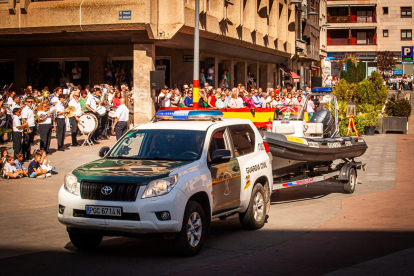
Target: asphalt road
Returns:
[[311, 230]]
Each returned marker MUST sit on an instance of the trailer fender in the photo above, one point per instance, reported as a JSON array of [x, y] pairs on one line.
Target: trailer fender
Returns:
[[344, 173]]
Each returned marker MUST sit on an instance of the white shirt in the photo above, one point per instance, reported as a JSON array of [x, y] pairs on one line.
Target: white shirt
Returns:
[[55, 100], [210, 71], [76, 105], [59, 108], [75, 73], [166, 101], [10, 106], [41, 114], [91, 101], [122, 113], [309, 108], [27, 113], [17, 123]]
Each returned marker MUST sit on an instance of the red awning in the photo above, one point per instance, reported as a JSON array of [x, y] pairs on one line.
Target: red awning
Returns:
[[295, 77]]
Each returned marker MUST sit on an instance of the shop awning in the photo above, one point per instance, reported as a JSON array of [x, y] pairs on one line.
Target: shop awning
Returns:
[[314, 67], [295, 77]]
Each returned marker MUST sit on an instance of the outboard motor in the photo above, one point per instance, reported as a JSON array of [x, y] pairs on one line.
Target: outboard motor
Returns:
[[325, 117]]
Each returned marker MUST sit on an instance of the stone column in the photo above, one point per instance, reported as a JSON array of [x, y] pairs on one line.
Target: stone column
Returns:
[[144, 104], [271, 69], [20, 77], [96, 66], [232, 73], [263, 76], [241, 72], [216, 72]]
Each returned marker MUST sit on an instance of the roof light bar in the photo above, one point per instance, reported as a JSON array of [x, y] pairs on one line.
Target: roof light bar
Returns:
[[189, 115]]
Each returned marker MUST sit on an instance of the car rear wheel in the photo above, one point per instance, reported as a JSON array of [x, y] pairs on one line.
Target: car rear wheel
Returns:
[[84, 240], [191, 237], [255, 215]]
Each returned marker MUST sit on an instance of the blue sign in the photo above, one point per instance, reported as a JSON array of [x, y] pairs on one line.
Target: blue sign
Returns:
[[407, 53], [398, 72], [124, 15]]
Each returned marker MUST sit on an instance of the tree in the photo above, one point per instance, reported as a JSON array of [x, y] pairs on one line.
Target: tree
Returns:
[[355, 71], [385, 61]]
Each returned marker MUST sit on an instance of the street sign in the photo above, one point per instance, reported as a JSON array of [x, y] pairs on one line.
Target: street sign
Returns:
[[407, 53], [188, 58], [124, 15]]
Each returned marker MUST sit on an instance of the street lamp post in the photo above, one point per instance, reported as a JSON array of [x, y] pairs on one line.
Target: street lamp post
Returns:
[[196, 81]]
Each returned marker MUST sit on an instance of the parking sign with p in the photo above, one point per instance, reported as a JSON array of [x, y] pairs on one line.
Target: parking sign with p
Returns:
[[407, 53]]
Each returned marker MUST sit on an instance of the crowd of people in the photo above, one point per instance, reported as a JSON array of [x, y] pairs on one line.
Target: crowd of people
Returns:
[[42, 112], [237, 97], [398, 82]]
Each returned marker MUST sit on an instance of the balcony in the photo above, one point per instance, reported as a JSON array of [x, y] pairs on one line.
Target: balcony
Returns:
[[354, 37], [348, 19]]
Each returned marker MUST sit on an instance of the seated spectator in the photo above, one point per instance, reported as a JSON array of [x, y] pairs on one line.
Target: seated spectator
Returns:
[[45, 164], [34, 170], [18, 163], [9, 170]]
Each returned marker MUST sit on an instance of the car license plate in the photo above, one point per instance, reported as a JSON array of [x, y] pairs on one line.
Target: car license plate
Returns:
[[104, 211]]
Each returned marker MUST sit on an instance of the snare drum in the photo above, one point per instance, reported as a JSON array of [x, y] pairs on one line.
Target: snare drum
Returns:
[[87, 123], [112, 114], [101, 110]]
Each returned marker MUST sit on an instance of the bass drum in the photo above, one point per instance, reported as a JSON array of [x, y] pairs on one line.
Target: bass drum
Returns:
[[87, 123], [112, 114]]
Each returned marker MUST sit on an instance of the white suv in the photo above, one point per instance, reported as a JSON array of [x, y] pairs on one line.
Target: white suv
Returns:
[[171, 176]]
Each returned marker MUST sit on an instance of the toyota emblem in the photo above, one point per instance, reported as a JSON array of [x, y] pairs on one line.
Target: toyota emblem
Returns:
[[106, 190]]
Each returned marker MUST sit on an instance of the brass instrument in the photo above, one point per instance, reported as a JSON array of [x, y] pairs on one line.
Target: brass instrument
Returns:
[[70, 111], [45, 94]]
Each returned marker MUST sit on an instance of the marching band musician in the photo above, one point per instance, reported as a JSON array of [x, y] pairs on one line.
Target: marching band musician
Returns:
[[17, 130], [60, 122], [9, 114], [121, 121], [45, 126], [75, 119], [28, 136], [55, 97], [92, 105]]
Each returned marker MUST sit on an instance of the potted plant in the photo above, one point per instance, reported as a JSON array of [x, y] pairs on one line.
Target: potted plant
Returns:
[[396, 113], [370, 117]]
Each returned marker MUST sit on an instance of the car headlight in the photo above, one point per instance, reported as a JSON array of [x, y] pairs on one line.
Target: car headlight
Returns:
[[71, 184], [160, 186]]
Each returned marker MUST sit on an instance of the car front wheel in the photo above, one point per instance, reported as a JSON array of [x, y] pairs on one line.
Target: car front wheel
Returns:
[[84, 240], [191, 237]]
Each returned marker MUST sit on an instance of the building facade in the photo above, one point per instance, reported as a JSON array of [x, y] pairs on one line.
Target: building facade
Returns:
[[362, 28], [42, 41]]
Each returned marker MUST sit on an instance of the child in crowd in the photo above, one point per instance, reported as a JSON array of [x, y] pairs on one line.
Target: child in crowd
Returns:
[[9, 170], [45, 164], [18, 163], [3, 159], [34, 170]]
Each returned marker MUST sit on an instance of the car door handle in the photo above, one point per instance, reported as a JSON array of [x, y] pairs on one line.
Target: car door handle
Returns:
[[236, 168]]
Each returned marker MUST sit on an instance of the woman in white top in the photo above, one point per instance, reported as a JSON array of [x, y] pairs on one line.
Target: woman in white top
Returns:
[[275, 101], [289, 99], [45, 126], [310, 108], [234, 102]]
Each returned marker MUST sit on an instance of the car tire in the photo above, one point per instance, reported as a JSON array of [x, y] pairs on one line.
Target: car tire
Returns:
[[255, 215], [84, 240], [349, 187], [189, 240]]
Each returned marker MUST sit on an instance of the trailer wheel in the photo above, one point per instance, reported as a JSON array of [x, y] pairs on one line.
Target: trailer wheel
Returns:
[[255, 215], [349, 187]]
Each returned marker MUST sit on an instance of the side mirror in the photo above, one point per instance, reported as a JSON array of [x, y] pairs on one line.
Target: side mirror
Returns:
[[103, 151], [221, 156]]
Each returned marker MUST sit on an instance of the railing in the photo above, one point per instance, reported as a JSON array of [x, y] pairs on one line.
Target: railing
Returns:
[[348, 19]]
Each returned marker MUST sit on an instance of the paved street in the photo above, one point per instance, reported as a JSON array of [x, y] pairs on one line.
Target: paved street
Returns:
[[311, 230]]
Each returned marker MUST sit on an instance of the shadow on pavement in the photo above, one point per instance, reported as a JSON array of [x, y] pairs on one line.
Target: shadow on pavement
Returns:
[[228, 250]]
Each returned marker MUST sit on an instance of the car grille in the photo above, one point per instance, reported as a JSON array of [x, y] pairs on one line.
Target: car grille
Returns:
[[120, 191]]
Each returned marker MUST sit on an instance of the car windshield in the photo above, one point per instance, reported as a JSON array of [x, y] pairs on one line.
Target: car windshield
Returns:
[[159, 144], [288, 112]]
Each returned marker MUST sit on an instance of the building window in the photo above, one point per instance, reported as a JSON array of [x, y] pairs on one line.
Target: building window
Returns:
[[385, 10], [406, 12], [406, 34], [385, 33]]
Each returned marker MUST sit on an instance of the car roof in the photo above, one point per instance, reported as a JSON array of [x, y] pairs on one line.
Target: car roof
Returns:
[[191, 124]]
